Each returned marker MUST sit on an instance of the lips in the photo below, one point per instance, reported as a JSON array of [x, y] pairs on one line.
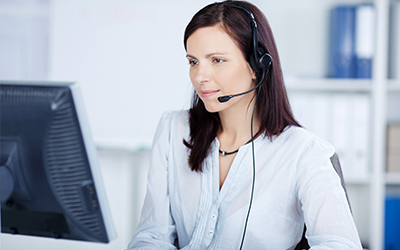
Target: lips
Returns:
[[208, 93]]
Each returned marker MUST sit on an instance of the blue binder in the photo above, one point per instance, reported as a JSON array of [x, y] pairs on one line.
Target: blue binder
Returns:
[[342, 61], [392, 222], [363, 67], [364, 39]]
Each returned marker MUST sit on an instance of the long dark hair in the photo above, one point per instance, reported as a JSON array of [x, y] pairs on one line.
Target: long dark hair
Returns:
[[273, 108]]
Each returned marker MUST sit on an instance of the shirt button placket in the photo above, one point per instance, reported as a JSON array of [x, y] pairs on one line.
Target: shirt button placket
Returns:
[[212, 222]]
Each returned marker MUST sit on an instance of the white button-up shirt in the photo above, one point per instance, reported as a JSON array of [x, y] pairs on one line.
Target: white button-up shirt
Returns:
[[295, 183]]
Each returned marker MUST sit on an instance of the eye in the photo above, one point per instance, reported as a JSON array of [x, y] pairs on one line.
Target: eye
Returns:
[[218, 60], [193, 63]]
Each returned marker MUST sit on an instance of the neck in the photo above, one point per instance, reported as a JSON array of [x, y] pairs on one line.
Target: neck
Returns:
[[236, 126]]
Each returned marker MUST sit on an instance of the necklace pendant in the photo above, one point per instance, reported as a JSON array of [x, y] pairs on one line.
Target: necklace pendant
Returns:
[[223, 153]]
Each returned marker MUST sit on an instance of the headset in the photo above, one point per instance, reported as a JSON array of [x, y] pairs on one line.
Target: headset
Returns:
[[260, 62]]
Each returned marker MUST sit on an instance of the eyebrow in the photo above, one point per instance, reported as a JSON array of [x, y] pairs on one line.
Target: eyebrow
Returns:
[[209, 55]]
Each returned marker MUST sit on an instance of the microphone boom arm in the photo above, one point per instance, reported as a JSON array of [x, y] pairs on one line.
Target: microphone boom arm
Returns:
[[226, 98]]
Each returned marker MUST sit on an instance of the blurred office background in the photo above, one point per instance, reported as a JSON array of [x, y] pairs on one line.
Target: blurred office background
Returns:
[[129, 59]]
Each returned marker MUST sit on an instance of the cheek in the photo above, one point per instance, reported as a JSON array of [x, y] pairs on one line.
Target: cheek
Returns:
[[234, 79], [193, 81], [191, 76], [225, 77], [193, 73]]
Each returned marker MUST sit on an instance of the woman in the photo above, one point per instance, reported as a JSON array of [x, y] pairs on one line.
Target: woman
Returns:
[[201, 176]]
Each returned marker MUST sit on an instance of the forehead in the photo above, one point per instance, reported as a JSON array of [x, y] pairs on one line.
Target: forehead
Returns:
[[211, 40]]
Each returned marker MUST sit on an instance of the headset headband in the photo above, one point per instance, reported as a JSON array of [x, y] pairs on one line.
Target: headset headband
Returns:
[[262, 59]]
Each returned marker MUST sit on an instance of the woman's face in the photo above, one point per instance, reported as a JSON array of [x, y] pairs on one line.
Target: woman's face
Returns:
[[218, 68]]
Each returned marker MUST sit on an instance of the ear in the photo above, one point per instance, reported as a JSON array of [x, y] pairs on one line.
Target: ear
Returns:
[[252, 72]]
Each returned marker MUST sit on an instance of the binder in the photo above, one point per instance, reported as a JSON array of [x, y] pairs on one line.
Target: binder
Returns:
[[392, 222], [393, 148], [394, 40], [299, 103], [341, 136], [360, 134], [320, 106], [312, 111], [342, 55], [364, 39]]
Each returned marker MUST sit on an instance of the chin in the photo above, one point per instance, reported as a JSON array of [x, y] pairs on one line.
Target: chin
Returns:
[[212, 108]]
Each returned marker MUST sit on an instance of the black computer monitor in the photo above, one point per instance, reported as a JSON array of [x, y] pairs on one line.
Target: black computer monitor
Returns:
[[51, 184]]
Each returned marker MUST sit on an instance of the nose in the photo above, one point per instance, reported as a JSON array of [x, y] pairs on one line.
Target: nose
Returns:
[[201, 74]]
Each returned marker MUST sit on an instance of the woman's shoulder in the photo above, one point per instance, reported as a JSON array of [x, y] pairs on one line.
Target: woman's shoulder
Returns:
[[175, 116], [303, 138], [174, 122], [309, 150]]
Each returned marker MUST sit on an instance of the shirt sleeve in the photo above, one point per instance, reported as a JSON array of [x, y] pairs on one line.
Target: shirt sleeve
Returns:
[[330, 224], [156, 229]]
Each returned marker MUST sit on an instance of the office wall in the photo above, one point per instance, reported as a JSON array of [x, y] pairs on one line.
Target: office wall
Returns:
[[129, 59]]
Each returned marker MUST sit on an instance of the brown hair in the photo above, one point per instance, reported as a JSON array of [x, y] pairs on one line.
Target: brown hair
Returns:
[[273, 108]]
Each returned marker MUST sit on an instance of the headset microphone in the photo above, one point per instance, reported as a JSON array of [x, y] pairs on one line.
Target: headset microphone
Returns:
[[226, 98]]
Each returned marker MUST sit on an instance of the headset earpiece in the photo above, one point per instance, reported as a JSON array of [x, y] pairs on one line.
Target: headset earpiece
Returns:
[[265, 61], [262, 62]]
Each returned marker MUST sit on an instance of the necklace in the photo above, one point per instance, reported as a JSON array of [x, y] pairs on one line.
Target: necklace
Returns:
[[223, 152]]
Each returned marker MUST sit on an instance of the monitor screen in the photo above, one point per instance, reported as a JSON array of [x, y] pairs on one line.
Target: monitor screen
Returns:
[[51, 184]]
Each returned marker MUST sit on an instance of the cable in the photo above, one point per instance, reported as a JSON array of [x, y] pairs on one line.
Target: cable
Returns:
[[254, 164]]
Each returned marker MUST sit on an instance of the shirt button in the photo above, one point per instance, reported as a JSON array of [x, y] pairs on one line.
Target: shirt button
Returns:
[[215, 202], [211, 232], [213, 217]]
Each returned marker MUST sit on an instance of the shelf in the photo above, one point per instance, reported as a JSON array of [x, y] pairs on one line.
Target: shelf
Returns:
[[328, 84], [393, 86], [357, 181], [336, 85], [392, 178]]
